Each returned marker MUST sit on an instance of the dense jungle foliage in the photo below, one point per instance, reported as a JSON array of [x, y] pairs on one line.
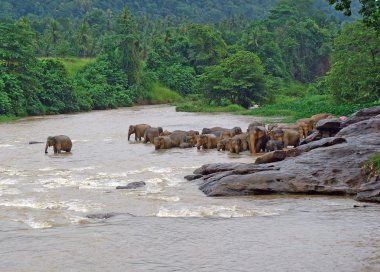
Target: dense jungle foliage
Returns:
[[79, 55]]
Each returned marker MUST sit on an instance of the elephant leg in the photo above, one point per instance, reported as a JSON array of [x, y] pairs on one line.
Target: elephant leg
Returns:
[[55, 149]]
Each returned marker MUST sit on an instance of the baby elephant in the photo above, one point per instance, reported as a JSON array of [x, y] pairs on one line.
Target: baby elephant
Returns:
[[273, 145], [59, 143]]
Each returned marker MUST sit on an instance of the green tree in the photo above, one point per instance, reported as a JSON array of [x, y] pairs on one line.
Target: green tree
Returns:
[[355, 73], [128, 47], [206, 47], [239, 78], [57, 93], [370, 9]]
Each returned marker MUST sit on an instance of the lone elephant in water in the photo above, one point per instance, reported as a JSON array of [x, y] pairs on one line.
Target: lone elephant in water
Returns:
[[59, 143], [138, 130]]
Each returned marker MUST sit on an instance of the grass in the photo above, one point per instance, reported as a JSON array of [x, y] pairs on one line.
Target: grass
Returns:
[[295, 107], [373, 165], [193, 106], [8, 118], [73, 65], [162, 95]]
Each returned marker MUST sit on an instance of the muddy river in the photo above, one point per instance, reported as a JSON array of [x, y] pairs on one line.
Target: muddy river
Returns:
[[52, 206]]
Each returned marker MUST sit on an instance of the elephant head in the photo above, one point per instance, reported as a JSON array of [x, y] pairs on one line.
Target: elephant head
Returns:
[[132, 129], [201, 141], [157, 143], [236, 146], [236, 131], [276, 134], [51, 141]]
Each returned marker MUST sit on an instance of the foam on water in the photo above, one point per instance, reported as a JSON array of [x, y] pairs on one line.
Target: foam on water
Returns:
[[4, 190], [38, 224], [8, 181], [214, 211], [72, 205], [5, 145]]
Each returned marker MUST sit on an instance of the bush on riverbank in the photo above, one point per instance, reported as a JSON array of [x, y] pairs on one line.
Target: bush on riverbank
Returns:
[[373, 165]]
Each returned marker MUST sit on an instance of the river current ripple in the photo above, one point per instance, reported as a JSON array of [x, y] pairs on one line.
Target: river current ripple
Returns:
[[63, 213]]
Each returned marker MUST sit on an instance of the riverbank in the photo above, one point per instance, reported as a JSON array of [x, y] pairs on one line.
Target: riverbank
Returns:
[[330, 166], [291, 108]]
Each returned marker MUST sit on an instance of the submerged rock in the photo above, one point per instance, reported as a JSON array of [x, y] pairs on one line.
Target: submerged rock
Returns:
[[330, 166], [132, 185], [100, 215]]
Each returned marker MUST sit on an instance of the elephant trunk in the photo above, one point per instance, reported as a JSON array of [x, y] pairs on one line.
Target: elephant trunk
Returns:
[[129, 135], [46, 147]]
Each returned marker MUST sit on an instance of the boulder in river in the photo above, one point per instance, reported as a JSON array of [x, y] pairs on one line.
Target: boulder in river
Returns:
[[330, 166], [132, 185]]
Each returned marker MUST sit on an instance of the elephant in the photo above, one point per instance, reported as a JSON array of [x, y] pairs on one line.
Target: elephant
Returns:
[[315, 118], [191, 135], [286, 136], [207, 141], [138, 130], [165, 133], [162, 142], [231, 132], [258, 139], [239, 143], [255, 124], [178, 139], [59, 143], [271, 127], [273, 145], [217, 131], [223, 144], [150, 133], [305, 127]]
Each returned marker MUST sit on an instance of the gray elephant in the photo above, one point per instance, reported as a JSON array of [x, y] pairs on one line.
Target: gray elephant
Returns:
[[273, 145], [151, 133], [59, 143], [138, 130]]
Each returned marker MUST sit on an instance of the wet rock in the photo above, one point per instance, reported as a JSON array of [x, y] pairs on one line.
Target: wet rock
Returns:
[[330, 125], [330, 166], [361, 115], [132, 185], [274, 156], [321, 143], [314, 136], [192, 177], [369, 191], [35, 142]]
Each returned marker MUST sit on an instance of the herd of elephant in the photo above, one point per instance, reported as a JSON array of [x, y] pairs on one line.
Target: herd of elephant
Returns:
[[257, 138]]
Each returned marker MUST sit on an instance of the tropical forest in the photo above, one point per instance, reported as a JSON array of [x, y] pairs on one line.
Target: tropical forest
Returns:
[[288, 58]]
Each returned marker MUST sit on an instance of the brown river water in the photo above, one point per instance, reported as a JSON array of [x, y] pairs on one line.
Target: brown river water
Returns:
[[169, 225]]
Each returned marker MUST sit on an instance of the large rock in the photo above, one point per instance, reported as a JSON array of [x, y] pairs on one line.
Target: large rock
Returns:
[[330, 125], [314, 136], [329, 166], [361, 115], [370, 191]]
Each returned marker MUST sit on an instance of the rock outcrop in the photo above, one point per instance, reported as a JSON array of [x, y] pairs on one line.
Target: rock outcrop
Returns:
[[330, 166]]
